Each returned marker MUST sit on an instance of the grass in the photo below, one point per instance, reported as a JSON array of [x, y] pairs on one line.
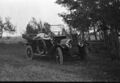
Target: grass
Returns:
[[15, 67]]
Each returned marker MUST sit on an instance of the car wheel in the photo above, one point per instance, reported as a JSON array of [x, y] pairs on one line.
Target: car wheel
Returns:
[[59, 56], [29, 53]]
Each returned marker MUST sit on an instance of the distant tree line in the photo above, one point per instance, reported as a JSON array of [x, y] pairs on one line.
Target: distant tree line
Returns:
[[6, 26]]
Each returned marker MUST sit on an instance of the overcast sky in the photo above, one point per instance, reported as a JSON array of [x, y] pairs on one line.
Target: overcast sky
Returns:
[[21, 11]]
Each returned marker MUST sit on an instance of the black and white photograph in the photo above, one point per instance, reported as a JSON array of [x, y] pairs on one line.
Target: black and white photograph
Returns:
[[60, 40]]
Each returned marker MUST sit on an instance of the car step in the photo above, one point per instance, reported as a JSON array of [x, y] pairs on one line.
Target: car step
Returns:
[[39, 54]]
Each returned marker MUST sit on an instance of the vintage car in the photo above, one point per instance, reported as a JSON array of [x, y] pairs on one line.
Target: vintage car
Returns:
[[59, 47]]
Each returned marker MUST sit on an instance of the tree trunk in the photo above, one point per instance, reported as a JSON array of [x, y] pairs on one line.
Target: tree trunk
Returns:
[[88, 36], [95, 34], [1, 33], [112, 43], [70, 28], [83, 35], [116, 44], [107, 42], [102, 36]]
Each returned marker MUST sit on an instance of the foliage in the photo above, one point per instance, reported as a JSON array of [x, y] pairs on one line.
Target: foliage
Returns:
[[83, 13], [6, 26], [64, 32], [35, 27]]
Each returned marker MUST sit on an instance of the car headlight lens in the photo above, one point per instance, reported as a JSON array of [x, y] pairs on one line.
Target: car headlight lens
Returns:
[[69, 45], [80, 44]]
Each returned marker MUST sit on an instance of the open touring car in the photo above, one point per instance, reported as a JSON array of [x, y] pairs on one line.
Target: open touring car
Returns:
[[60, 47]]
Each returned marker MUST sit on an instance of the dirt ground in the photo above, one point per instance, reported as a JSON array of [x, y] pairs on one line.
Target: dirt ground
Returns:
[[15, 67]]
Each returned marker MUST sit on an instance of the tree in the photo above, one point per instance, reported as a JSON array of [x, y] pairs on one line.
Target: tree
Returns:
[[81, 13], [1, 27], [32, 27], [35, 27], [7, 26], [77, 17], [64, 32]]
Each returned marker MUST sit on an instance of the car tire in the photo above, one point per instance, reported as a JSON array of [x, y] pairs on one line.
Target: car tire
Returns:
[[29, 53], [59, 56]]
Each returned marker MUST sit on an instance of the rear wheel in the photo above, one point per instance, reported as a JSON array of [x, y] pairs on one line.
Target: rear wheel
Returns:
[[59, 56], [29, 53]]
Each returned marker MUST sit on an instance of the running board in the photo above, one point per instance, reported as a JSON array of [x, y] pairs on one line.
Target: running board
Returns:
[[39, 54]]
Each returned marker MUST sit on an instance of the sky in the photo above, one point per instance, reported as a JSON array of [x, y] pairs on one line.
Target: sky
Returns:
[[21, 11]]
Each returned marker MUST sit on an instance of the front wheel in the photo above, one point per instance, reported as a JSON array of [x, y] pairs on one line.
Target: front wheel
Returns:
[[29, 53], [59, 56]]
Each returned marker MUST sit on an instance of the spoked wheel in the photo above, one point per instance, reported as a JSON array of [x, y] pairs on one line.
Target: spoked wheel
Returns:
[[29, 53], [59, 56]]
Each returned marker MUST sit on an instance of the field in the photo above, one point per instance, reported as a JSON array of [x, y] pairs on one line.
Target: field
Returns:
[[15, 67]]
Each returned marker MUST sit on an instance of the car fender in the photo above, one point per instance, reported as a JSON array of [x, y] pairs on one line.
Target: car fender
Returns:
[[27, 44]]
